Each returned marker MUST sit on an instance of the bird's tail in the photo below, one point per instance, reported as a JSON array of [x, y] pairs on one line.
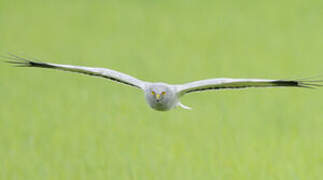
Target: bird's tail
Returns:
[[183, 106]]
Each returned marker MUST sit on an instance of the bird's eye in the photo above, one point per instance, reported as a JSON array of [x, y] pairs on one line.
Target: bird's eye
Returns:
[[153, 92], [163, 93]]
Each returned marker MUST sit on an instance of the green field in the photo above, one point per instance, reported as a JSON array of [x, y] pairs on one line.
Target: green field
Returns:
[[58, 125]]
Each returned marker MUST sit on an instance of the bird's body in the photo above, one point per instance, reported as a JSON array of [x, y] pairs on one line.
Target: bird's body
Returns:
[[162, 96]]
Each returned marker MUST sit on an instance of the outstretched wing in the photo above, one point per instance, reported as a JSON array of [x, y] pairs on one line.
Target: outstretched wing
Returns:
[[227, 83], [100, 72]]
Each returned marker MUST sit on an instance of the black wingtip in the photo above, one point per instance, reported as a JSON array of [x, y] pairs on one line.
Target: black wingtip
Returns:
[[18, 61], [15, 60], [311, 84], [286, 83]]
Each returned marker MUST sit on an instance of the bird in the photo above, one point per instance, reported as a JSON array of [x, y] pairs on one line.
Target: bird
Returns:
[[162, 96]]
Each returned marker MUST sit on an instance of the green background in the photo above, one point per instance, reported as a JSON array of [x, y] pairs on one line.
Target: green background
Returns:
[[58, 125]]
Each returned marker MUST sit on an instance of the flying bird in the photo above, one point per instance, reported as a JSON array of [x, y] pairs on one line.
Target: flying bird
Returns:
[[159, 95]]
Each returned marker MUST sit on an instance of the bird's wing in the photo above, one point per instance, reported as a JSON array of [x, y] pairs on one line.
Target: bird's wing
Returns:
[[100, 72], [228, 83]]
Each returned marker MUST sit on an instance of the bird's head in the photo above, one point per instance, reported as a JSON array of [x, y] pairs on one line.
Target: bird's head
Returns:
[[159, 93], [161, 96]]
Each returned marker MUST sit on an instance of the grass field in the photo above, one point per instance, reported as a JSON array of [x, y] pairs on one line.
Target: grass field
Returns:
[[58, 125]]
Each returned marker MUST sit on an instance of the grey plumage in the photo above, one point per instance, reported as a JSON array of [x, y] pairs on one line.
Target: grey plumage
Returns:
[[162, 96]]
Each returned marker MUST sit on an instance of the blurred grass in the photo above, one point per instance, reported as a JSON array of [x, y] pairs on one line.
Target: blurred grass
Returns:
[[56, 125]]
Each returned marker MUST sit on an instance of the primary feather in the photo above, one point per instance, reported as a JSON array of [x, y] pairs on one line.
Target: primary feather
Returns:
[[229, 83], [100, 72]]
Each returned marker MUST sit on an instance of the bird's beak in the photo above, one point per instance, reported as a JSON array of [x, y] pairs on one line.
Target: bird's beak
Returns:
[[158, 96]]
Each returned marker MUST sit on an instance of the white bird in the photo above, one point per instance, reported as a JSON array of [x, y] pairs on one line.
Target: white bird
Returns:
[[162, 96]]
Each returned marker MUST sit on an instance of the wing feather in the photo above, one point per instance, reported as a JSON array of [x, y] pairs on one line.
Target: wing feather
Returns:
[[228, 83], [99, 72]]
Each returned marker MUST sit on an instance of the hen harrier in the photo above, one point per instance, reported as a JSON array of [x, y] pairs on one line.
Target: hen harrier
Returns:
[[162, 96]]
